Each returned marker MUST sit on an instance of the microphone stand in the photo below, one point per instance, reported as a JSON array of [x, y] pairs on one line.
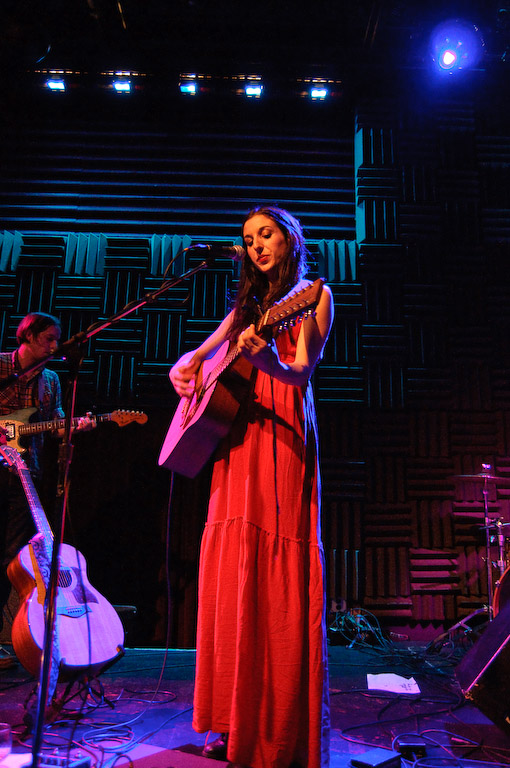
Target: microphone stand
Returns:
[[72, 349]]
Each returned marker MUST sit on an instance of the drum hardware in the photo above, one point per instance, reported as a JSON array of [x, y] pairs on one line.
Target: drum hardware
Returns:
[[489, 525], [485, 476], [500, 539], [502, 592], [462, 629]]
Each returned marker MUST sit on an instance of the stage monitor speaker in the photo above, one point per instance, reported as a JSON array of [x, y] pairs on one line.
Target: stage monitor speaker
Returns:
[[484, 672]]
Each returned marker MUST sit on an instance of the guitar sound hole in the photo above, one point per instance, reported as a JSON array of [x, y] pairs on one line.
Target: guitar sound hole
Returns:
[[65, 578]]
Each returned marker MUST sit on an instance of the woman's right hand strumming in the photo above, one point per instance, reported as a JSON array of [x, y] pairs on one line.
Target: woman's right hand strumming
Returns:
[[183, 373]]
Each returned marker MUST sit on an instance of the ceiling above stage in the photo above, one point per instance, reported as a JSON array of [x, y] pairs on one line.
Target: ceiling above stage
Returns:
[[161, 35]]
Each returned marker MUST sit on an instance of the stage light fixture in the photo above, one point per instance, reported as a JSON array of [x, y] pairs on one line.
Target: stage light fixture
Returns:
[[317, 88], [122, 86], [196, 83], [250, 86], [253, 90], [54, 79], [318, 93], [56, 85], [189, 88], [456, 45], [121, 82]]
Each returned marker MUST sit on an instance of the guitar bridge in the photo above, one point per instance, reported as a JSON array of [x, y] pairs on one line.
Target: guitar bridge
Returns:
[[72, 611]]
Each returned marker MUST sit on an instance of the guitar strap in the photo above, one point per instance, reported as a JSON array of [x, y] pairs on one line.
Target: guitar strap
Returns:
[[42, 566], [40, 392]]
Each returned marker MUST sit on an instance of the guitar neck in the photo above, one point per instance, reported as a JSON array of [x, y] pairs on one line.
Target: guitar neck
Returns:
[[45, 426], [40, 519], [298, 304]]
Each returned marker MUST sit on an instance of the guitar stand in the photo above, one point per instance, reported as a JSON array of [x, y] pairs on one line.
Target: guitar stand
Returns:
[[86, 683], [85, 691]]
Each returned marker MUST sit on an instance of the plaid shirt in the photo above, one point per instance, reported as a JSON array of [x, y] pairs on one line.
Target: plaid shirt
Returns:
[[40, 390]]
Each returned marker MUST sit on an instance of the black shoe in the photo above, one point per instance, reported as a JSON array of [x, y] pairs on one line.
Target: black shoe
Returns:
[[217, 749]]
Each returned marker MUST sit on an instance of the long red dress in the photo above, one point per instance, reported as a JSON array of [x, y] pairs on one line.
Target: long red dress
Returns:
[[261, 640]]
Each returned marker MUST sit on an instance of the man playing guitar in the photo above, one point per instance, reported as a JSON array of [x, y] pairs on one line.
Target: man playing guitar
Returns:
[[38, 336]]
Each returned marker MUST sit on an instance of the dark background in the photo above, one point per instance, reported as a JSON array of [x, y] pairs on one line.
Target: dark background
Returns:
[[401, 182]]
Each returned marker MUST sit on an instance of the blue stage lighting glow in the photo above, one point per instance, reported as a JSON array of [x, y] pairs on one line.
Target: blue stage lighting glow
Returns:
[[56, 85], [456, 45], [189, 88], [122, 86], [253, 91], [318, 93], [448, 59]]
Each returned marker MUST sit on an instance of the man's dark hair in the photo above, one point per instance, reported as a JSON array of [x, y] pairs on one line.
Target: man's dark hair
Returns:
[[35, 323]]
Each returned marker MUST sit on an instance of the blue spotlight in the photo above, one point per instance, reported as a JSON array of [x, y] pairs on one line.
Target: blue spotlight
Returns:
[[56, 85], [456, 45], [189, 88], [121, 81], [122, 86], [318, 93], [253, 90]]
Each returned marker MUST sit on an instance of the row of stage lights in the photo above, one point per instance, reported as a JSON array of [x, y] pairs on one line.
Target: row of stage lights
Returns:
[[455, 46], [125, 82]]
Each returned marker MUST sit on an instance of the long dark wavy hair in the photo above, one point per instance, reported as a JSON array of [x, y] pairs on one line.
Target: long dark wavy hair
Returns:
[[254, 290]]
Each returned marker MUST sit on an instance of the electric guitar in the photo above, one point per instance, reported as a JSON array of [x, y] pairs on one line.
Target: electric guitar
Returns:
[[17, 424], [222, 382], [89, 630]]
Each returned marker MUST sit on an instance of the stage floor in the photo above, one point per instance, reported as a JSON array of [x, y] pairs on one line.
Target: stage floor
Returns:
[[138, 712]]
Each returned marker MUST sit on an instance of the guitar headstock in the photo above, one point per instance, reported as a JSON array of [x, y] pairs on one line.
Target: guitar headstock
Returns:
[[11, 457], [122, 418], [296, 304]]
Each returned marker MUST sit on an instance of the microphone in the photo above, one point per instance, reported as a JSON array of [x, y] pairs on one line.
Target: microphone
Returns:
[[235, 252]]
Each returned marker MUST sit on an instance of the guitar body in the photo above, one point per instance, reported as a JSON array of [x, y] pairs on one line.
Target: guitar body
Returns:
[[13, 427], [90, 633], [199, 424]]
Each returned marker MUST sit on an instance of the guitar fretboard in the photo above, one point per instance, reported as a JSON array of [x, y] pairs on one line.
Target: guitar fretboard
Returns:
[[40, 519], [44, 426]]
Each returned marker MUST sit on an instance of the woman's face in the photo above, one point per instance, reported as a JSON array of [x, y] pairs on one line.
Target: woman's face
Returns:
[[266, 244]]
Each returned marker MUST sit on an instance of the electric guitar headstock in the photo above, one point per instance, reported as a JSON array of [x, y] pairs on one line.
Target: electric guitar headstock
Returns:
[[122, 418]]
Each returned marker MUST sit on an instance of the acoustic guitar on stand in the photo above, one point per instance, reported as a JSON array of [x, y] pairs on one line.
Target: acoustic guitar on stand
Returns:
[[17, 425], [90, 632], [222, 382]]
